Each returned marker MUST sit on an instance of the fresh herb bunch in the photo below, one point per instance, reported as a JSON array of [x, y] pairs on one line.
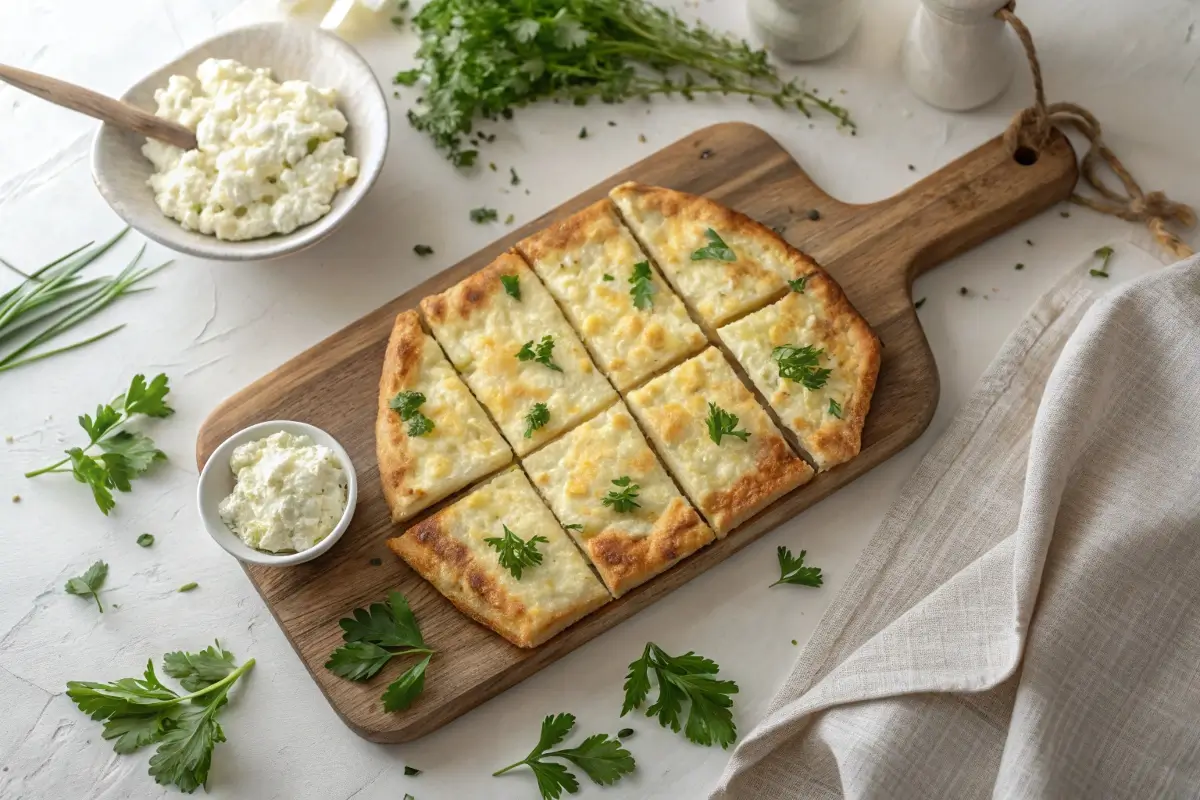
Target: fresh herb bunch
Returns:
[[88, 584], [625, 500], [537, 418], [408, 406], [642, 286], [139, 712], [516, 553], [686, 677], [483, 58], [793, 570], [126, 455], [600, 756], [54, 299], [376, 635], [715, 250], [802, 365]]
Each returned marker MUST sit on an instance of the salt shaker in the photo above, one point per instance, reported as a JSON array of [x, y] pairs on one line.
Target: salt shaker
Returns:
[[804, 30], [958, 55]]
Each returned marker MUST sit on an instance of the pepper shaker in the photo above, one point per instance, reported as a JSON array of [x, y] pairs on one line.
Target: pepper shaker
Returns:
[[803, 30], [958, 54]]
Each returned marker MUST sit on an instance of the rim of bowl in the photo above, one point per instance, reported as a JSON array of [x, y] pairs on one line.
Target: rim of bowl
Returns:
[[268, 247], [229, 541]]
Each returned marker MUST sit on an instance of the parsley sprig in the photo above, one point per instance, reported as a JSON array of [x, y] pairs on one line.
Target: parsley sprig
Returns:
[[625, 500], [516, 553], [802, 365], [721, 423], [542, 352], [642, 286], [798, 284], [408, 404], [792, 569], [512, 286], [374, 636], [600, 756], [88, 584], [140, 712], [686, 677], [835, 408], [715, 250], [537, 418], [126, 454]]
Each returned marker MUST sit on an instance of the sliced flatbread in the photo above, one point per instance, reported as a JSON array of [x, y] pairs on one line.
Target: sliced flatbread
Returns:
[[483, 327], [587, 262], [462, 445], [673, 226], [449, 551], [827, 419], [627, 547], [731, 481]]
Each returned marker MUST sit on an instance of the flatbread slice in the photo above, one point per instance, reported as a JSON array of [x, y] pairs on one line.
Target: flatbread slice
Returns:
[[677, 230], [420, 468], [733, 480], [449, 551], [627, 544], [826, 416], [484, 325], [633, 328]]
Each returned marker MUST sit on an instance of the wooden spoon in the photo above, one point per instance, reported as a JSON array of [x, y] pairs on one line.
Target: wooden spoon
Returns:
[[96, 105]]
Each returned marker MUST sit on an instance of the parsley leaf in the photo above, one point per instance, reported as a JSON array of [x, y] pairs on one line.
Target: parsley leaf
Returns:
[[126, 454], [407, 404], [835, 408], [376, 635], [145, 540], [642, 285], [140, 712], [802, 365], [515, 553], [542, 353], [792, 569], [88, 584], [537, 417], [411, 771], [624, 500], [798, 284], [512, 286], [1104, 253], [715, 250], [722, 423], [483, 214], [601, 757], [686, 677]]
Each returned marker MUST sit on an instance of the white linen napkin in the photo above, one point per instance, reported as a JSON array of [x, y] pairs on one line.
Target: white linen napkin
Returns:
[[1026, 621]]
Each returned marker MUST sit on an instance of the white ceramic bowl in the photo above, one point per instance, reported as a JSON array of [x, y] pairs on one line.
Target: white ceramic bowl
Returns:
[[292, 52], [217, 482]]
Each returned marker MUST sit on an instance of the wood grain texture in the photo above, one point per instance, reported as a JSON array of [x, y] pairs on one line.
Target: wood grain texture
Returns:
[[873, 250]]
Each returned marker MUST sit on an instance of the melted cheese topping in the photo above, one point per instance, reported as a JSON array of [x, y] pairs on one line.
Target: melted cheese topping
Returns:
[[673, 408], [483, 347], [630, 344], [562, 581], [795, 320], [463, 445], [718, 290]]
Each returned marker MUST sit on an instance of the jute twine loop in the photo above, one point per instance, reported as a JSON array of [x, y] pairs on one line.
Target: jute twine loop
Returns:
[[1031, 128]]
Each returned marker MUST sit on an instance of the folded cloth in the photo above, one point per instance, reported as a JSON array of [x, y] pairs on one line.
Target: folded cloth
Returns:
[[1026, 621]]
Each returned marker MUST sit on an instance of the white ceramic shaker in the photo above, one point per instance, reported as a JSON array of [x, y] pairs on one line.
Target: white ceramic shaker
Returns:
[[958, 55], [804, 30]]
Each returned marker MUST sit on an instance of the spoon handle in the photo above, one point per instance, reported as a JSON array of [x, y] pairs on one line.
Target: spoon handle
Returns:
[[96, 105]]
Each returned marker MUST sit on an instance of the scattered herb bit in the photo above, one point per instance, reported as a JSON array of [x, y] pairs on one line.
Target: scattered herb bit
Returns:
[[187, 587], [484, 214], [1029, 242], [512, 286], [705, 154], [542, 353], [574, 526], [515, 180], [515, 553], [407, 404], [814, 214], [715, 250], [625, 733], [835, 408], [801, 365], [423, 250], [919, 303], [143, 711], [1019, 266], [537, 417], [963, 291], [376, 562], [792, 570], [145, 540], [492, 166], [376, 635], [16, 498], [690, 677], [793, 641], [510, 219], [600, 757], [583, 134], [625, 500], [612, 124], [608, 277], [1104, 253], [722, 423], [911, 168], [1064, 214], [642, 138], [88, 584], [408, 796], [642, 286], [798, 284], [126, 455], [411, 771]]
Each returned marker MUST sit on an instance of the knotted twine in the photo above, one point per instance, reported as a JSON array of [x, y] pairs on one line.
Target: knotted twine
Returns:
[[1031, 128]]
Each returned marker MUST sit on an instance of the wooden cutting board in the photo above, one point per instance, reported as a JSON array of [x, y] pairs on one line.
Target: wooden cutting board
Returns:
[[874, 251]]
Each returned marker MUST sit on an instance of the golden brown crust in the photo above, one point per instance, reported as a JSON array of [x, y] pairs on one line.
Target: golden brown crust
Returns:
[[625, 562], [473, 293], [777, 472], [568, 234], [400, 363]]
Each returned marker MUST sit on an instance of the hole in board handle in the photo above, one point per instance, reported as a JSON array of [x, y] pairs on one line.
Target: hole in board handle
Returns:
[[1025, 156]]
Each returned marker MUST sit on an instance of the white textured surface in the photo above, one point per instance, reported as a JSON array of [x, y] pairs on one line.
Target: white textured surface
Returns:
[[215, 327]]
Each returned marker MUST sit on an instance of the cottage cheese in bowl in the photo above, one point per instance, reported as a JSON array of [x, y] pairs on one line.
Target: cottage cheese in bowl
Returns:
[[270, 159]]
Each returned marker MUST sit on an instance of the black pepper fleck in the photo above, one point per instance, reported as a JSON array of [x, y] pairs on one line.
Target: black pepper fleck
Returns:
[[612, 124], [1064, 214], [1029, 242], [814, 214], [376, 562], [1019, 266], [911, 168], [919, 303], [963, 291]]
